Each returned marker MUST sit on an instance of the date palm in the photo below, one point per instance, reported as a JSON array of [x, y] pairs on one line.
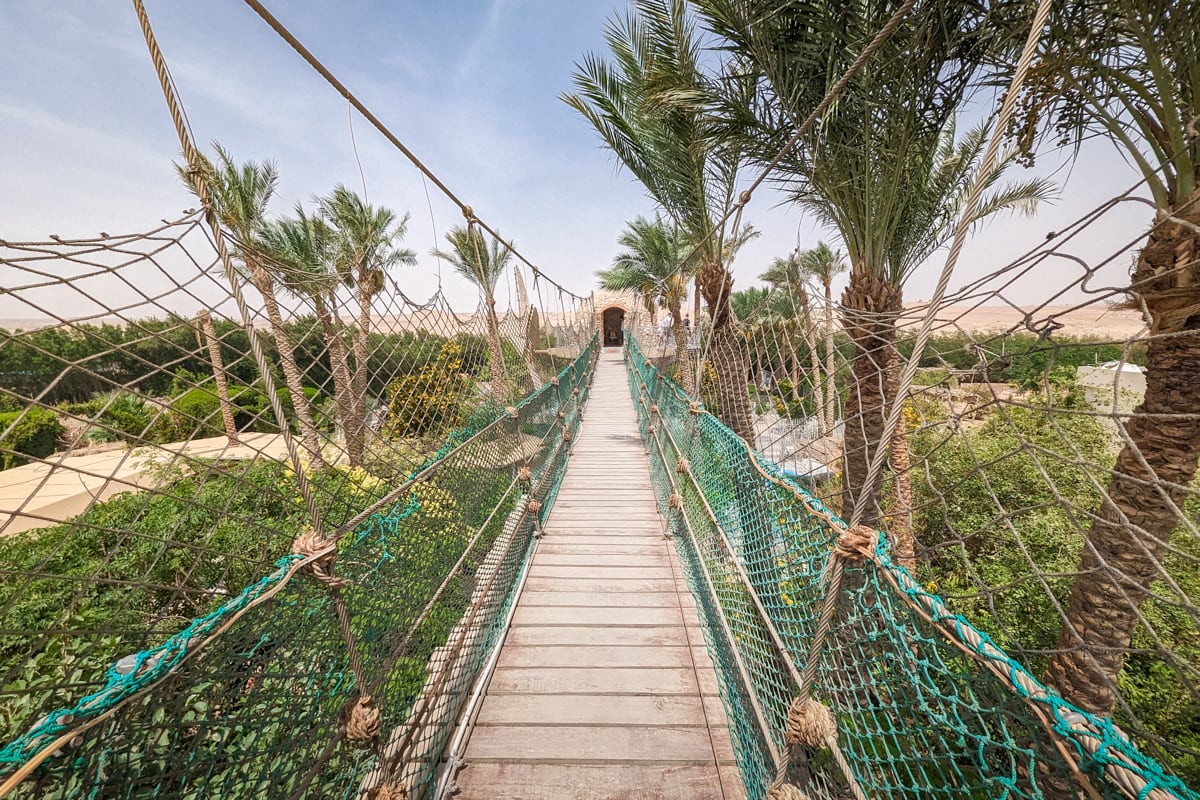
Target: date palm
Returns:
[[1129, 70], [887, 176], [651, 264], [366, 242], [648, 104], [240, 194], [301, 248], [482, 261], [787, 275], [823, 264]]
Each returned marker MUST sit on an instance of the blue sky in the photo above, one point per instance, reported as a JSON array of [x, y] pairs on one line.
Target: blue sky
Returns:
[[472, 87]]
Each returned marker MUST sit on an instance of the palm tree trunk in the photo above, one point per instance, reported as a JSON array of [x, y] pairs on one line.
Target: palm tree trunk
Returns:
[[830, 364], [218, 368], [808, 331], [356, 431], [1122, 555], [496, 357], [899, 461], [869, 308], [725, 352], [341, 378], [291, 372], [683, 358]]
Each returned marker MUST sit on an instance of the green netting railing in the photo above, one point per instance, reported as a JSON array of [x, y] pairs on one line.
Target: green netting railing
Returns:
[[925, 704], [342, 673]]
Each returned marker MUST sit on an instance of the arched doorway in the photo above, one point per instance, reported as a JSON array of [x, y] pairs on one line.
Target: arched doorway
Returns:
[[612, 323]]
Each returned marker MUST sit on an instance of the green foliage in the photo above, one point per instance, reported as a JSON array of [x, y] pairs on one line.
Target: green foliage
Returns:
[[1002, 514], [430, 400], [32, 432]]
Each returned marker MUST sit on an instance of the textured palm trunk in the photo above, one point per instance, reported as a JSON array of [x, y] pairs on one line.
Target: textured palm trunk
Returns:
[[870, 305], [683, 358], [341, 379], [830, 364], [496, 357], [810, 341], [218, 368], [533, 333], [725, 352], [356, 431], [291, 372], [899, 461], [1122, 555]]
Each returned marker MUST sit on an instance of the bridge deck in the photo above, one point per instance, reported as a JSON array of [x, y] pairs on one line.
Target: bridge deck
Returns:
[[603, 688]]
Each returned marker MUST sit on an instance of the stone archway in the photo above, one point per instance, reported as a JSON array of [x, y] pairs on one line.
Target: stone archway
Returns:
[[612, 326]]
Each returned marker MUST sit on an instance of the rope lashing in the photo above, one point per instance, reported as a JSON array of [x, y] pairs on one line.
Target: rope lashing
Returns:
[[786, 791], [682, 465], [512, 411], [361, 719], [810, 724], [534, 506], [676, 500], [694, 407], [856, 543], [309, 544], [651, 429], [387, 791], [562, 415], [524, 474], [566, 436]]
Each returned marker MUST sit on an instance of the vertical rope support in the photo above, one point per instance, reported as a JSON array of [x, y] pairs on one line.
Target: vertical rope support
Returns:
[[196, 173]]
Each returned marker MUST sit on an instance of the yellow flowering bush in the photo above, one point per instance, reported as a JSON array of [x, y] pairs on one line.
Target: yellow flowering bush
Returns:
[[429, 400]]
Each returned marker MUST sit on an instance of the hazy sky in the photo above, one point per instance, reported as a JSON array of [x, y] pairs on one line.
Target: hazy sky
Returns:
[[472, 87]]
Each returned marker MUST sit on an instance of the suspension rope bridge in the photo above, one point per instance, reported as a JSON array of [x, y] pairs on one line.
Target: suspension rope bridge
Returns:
[[436, 583]]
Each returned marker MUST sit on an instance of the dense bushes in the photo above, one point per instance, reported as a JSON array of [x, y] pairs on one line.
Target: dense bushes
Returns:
[[430, 400], [1002, 512], [32, 433]]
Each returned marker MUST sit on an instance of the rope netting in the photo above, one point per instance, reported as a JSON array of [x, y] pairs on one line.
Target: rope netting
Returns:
[[212, 584], [797, 606]]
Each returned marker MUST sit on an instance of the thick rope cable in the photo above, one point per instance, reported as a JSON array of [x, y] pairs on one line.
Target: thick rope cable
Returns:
[[196, 173], [332, 80], [987, 167]]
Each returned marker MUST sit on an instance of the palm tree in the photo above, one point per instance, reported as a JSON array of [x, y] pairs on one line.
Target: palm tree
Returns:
[[301, 248], [218, 368], [240, 193], [365, 248], [824, 264], [888, 177], [786, 274], [1129, 70], [482, 262], [652, 265], [648, 106]]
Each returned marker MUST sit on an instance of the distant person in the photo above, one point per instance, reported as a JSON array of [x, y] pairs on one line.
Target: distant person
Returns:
[[687, 322]]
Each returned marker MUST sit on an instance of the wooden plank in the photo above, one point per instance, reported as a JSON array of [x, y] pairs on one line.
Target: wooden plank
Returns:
[[590, 745], [608, 616], [601, 572], [621, 599], [659, 636], [592, 710], [534, 584], [500, 781], [574, 559], [590, 680], [581, 656]]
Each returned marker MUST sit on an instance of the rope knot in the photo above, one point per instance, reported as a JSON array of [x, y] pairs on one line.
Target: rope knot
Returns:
[[576, 391], [534, 506], [654, 409], [512, 412], [554, 381], [682, 466], [810, 724], [694, 407], [855, 543], [650, 429], [744, 197], [309, 544], [676, 500], [524, 474], [469, 214], [786, 791], [362, 722], [562, 415], [388, 791], [566, 436]]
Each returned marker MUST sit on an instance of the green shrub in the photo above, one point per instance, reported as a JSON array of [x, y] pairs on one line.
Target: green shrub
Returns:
[[430, 400], [31, 432]]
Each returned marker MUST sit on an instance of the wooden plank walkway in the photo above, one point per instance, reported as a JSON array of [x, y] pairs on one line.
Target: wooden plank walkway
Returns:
[[603, 687]]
